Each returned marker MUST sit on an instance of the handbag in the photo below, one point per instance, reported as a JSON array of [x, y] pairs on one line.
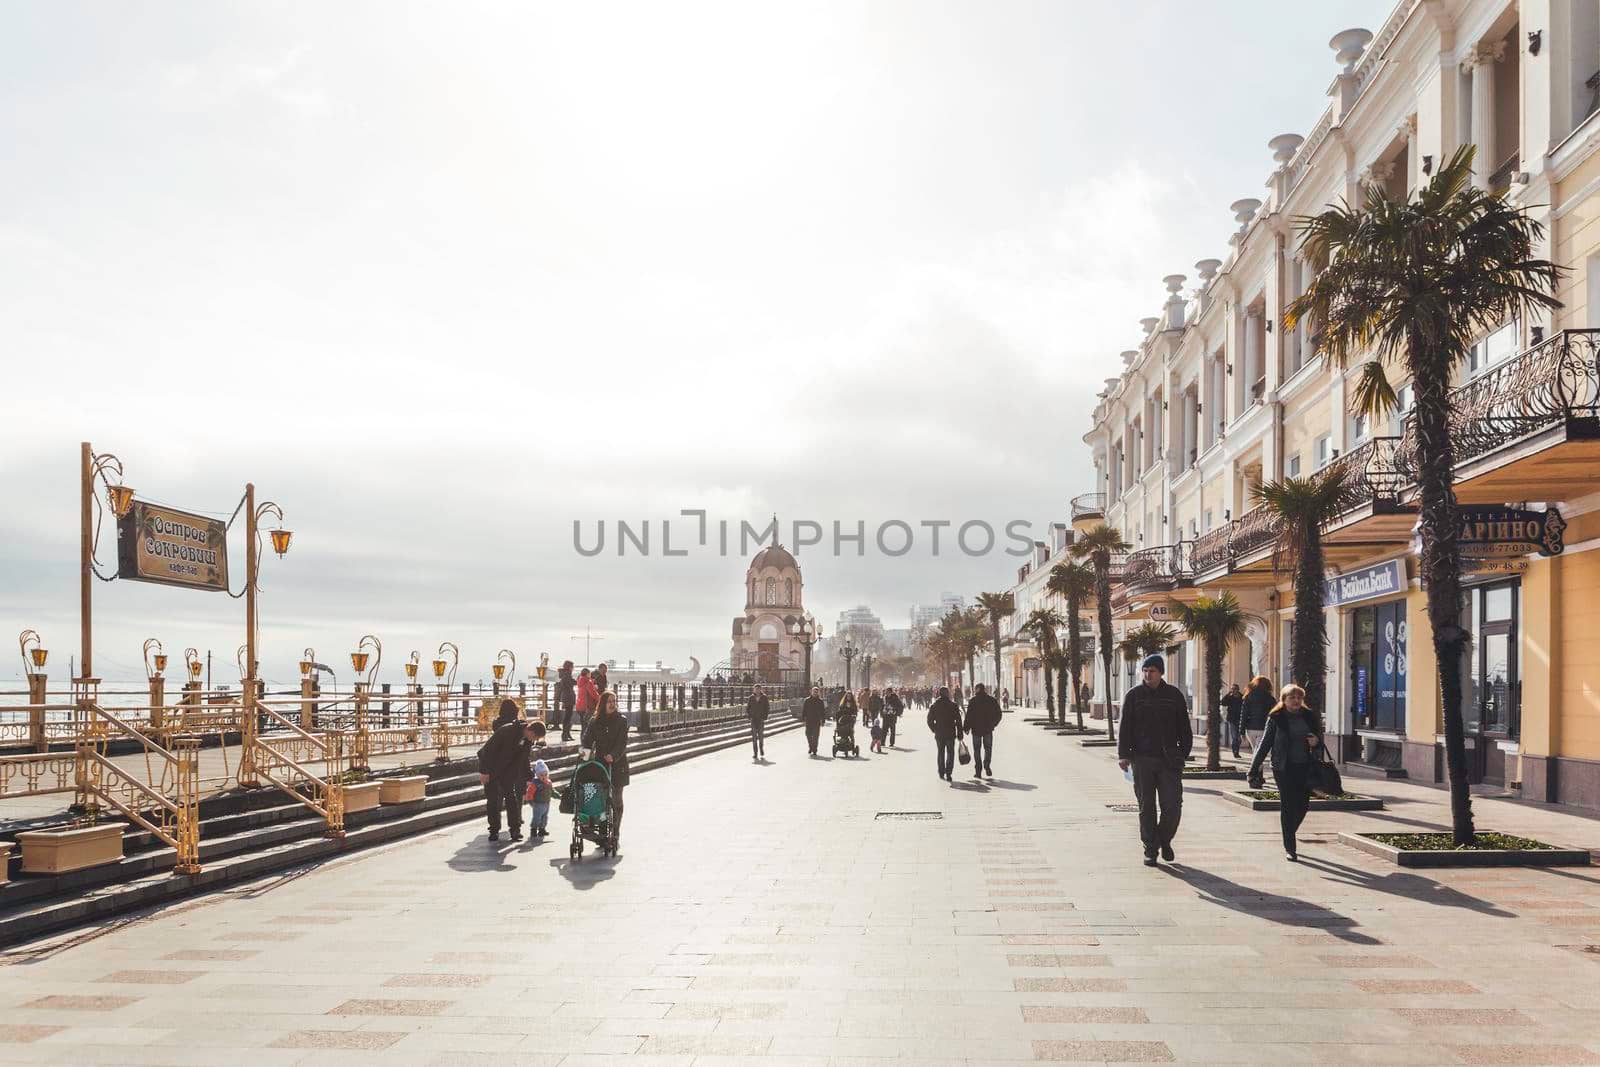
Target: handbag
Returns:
[[963, 753], [1324, 776]]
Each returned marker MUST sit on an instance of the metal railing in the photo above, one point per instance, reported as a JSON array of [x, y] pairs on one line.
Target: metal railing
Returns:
[[1088, 505], [1157, 568]]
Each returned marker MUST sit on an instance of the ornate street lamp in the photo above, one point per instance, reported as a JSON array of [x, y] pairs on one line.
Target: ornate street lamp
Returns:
[[501, 669], [849, 652], [360, 658], [808, 633], [191, 658], [34, 654], [308, 662], [411, 665], [153, 665]]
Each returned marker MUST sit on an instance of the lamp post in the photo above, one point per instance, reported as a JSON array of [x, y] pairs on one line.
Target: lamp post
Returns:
[[366, 669], [444, 672], [153, 666], [807, 632], [849, 653], [102, 467], [544, 686], [413, 690], [252, 560], [34, 655], [503, 671]]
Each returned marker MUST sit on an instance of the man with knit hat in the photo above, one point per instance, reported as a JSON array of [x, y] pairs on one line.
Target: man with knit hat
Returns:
[[1155, 742]]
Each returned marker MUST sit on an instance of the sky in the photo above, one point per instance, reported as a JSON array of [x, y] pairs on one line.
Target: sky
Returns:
[[444, 281]]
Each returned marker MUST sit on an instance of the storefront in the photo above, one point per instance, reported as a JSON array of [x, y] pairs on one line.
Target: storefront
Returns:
[[1372, 605], [1491, 609]]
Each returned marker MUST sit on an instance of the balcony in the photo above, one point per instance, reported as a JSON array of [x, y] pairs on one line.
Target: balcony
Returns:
[[1152, 570], [1210, 551], [1528, 429], [1088, 506]]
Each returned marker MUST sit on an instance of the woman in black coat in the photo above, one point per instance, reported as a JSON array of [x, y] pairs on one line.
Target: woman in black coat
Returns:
[[606, 737], [756, 709], [1258, 703], [1294, 732]]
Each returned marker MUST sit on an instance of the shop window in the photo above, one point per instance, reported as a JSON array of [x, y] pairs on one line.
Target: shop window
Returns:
[[1378, 667], [1490, 672]]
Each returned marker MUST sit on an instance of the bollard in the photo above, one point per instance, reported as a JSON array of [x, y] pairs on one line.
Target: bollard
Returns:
[[36, 702]]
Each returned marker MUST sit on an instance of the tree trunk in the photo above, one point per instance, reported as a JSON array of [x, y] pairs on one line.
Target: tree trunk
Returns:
[[1049, 693], [1441, 568], [996, 693], [1074, 661], [1213, 690], [1309, 630], [1102, 582]]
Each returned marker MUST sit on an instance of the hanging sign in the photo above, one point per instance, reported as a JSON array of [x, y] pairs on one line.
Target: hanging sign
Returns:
[[1488, 531], [1365, 584], [1032, 663], [172, 547]]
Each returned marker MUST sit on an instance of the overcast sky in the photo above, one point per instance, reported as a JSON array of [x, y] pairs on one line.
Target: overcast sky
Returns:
[[444, 278]]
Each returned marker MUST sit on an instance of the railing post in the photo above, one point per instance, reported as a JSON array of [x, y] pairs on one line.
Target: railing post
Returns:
[[466, 701], [308, 707], [441, 724], [361, 743], [333, 799], [158, 702], [186, 751], [36, 702], [385, 705], [249, 727]]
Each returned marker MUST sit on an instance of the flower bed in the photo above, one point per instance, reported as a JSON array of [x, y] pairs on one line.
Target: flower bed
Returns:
[[1199, 773], [1269, 800], [1489, 849]]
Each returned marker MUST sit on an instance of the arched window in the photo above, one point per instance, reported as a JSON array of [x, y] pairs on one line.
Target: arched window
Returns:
[[772, 590], [788, 590]]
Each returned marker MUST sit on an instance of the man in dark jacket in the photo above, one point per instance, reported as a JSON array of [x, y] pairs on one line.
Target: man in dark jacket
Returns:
[[944, 719], [983, 715], [566, 698], [893, 708], [1155, 740], [812, 713], [756, 709], [1233, 715], [503, 769]]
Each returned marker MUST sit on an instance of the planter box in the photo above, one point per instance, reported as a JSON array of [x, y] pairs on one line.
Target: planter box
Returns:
[[362, 796], [1544, 857], [403, 790], [1351, 803], [60, 851], [1196, 774]]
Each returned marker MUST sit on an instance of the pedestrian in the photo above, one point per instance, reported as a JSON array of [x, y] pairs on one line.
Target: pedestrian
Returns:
[[875, 709], [566, 698], [588, 699], [1155, 740], [756, 710], [606, 737], [1293, 733], [1233, 714], [602, 680], [944, 719], [1258, 703], [844, 723], [509, 712], [503, 770], [893, 708], [812, 713], [983, 715], [539, 790], [1005, 699]]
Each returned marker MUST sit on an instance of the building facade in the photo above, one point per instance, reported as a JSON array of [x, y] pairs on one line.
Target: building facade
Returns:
[[1218, 398], [766, 639]]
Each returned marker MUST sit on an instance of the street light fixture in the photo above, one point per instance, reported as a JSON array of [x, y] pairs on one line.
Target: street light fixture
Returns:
[[153, 665], [411, 665], [501, 669], [308, 660], [808, 633], [34, 654], [191, 657], [360, 657]]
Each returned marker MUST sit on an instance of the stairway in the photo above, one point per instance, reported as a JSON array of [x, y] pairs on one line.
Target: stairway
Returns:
[[247, 834]]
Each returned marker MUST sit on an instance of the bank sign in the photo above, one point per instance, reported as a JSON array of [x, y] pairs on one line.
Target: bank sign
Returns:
[[1383, 579], [1495, 531], [159, 544]]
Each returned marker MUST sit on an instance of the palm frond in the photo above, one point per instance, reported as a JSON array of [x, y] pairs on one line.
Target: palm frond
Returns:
[[1372, 395]]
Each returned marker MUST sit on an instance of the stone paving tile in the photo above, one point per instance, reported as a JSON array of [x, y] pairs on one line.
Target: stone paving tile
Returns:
[[437, 981], [74, 1002], [366, 1040], [1463, 1017], [376, 1006], [1524, 1054], [152, 977], [24, 1033], [1103, 1051]]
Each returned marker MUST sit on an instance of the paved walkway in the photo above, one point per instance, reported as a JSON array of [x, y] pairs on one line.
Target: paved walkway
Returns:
[[772, 912]]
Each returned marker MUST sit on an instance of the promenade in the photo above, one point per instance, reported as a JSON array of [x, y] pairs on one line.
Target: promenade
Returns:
[[784, 913]]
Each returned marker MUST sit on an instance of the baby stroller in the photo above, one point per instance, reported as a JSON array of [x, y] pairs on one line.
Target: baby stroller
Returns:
[[844, 734], [588, 801]]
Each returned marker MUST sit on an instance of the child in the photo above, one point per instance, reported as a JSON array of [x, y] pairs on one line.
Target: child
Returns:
[[877, 734], [539, 795]]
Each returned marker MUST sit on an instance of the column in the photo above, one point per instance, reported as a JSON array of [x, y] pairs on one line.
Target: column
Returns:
[[1191, 426], [1252, 358], [1480, 63]]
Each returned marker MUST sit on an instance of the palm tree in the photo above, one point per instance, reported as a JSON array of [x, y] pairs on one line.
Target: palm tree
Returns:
[[1042, 624], [1304, 508], [1073, 582], [974, 638], [1217, 622], [1414, 279], [1098, 546], [996, 606]]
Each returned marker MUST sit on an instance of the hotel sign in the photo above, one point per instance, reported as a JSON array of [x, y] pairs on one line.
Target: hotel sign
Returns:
[[160, 544], [1497, 531], [1368, 583]]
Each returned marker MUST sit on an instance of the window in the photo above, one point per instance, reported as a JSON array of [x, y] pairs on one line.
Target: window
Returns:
[[1496, 347], [1208, 519], [1360, 426], [1294, 465], [788, 590], [772, 591], [1324, 450], [1194, 528]]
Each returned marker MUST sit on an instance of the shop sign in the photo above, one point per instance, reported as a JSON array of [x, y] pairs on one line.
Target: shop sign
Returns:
[[1489, 565], [1032, 663], [1488, 531], [1162, 612], [1383, 579], [172, 547]]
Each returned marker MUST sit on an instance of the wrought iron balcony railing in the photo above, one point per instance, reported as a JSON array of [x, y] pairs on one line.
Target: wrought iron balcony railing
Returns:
[[1254, 530], [1088, 505], [1157, 568], [1210, 551], [1371, 475]]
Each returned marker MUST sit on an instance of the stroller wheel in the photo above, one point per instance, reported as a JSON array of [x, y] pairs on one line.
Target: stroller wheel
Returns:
[[576, 851]]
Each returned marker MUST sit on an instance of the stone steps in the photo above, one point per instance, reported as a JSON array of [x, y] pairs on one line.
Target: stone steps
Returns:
[[245, 835]]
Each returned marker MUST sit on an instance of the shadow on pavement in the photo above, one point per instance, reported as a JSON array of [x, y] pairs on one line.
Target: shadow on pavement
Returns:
[[480, 854], [587, 873], [1290, 911], [1001, 783], [1404, 884]]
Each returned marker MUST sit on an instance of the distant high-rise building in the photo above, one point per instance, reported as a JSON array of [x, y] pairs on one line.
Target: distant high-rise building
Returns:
[[860, 621]]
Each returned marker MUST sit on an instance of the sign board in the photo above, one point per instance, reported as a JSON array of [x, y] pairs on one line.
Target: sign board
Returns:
[[161, 544], [1489, 531], [1162, 611], [1368, 583], [1490, 565], [1032, 663]]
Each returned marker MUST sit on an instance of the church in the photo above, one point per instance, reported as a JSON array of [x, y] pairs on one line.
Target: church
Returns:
[[765, 640]]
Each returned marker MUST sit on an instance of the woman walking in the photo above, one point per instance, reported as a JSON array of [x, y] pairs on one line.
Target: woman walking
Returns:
[[1258, 702], [606, 735], [1293, 734]]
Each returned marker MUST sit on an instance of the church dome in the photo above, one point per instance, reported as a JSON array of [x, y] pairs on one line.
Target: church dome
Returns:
[[773, 556]]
